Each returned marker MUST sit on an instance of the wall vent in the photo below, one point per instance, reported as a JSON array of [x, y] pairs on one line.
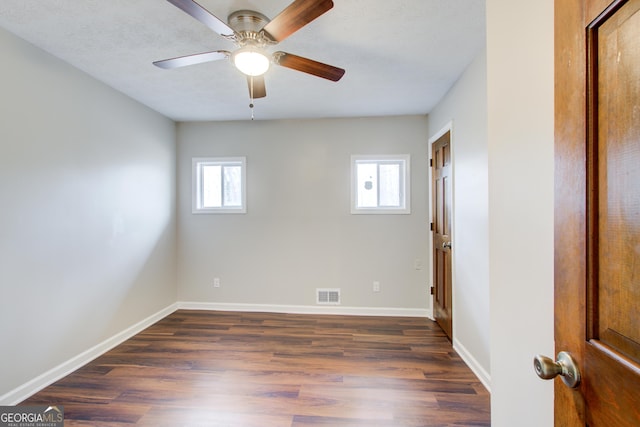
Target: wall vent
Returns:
[[328, 296]]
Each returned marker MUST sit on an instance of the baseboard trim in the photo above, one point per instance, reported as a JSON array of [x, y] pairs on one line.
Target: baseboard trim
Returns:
[[473, 364], [307, 309], [36, 384]]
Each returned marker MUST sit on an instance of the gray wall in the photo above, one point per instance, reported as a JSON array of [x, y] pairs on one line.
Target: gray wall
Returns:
[[87, 224], [298, 233], [465, 107]]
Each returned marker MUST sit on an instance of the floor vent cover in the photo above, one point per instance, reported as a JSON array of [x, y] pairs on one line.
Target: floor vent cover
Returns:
[[328, 296]]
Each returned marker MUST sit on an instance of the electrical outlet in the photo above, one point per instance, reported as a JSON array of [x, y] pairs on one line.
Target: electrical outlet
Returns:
[[376, 286], [417, 264], [216, 282]]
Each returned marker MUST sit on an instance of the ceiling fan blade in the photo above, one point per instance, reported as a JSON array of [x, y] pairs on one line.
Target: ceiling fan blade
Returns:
[[198, 58], [204, 16], [295, 16], [308, 66], [256, 84]]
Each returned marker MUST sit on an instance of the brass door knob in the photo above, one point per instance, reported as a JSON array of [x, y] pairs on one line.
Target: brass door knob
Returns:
[[565, 366]]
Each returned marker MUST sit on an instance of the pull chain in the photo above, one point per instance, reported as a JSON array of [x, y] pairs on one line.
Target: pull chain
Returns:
[[251, 96]]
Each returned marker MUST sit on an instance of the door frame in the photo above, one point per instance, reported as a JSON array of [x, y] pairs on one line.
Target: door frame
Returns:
[[448, 127]]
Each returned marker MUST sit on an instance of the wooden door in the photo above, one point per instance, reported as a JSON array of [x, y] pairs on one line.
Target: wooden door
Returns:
[[597, 213], [441, 186]]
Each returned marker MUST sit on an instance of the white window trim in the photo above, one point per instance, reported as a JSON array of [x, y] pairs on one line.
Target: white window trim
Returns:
[[402, 210], [196, 196]]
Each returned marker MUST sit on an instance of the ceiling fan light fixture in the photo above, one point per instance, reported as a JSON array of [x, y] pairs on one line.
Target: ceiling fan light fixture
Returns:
[[251, 61]]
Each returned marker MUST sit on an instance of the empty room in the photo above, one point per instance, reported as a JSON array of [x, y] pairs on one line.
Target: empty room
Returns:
[[184, 241]]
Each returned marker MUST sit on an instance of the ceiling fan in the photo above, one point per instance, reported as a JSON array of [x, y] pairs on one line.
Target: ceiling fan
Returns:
[[253, 32]]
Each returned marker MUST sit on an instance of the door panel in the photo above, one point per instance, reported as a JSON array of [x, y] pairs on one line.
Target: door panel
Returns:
[[613, 201], [616, 189], [597, 215], [442, 301]]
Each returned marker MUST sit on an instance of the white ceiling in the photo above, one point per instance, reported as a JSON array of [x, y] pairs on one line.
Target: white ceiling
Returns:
[[400, 56]]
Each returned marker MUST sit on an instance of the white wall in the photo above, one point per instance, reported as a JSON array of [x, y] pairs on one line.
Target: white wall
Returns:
[[298, 233], [520, 129], [465, 107], [87, 222]]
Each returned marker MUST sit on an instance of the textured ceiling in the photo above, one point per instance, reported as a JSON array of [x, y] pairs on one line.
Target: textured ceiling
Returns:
[[400, 56]]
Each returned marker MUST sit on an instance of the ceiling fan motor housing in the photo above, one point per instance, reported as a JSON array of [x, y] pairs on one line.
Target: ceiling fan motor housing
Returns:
[[248, 25]]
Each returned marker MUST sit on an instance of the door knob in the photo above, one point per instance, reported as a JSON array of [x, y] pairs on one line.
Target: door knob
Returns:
[[565, 366], [446, 245]]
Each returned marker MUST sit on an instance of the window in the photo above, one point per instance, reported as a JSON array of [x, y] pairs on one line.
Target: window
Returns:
[[218, 185], [380, 184]]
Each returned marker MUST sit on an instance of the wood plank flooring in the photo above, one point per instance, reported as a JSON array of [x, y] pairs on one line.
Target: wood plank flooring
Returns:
[[205, 368]]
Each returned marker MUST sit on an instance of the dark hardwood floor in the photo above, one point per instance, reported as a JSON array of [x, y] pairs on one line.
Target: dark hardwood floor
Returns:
[[203, 368]]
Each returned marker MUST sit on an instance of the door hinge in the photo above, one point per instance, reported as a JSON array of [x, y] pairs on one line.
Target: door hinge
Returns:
[[431, 226], [430, 163], [431, 290]]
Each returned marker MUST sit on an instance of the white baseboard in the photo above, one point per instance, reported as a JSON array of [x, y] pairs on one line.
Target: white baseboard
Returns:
[[36, 384], [307, 309], [473, 364]]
